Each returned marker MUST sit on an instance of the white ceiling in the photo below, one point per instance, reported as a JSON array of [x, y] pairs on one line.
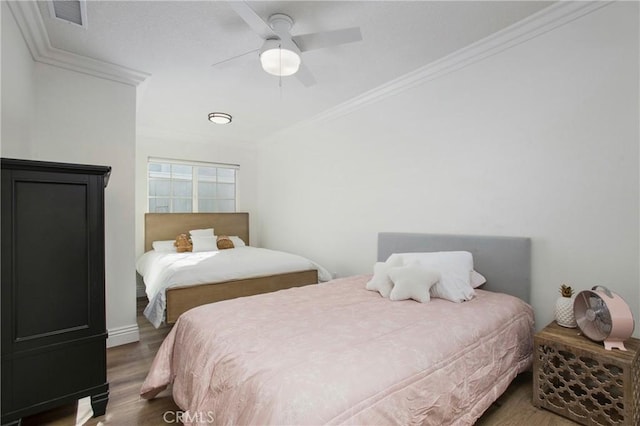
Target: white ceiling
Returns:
[[178, 41]]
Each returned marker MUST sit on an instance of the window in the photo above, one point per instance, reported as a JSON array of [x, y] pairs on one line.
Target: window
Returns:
[[184, 187]]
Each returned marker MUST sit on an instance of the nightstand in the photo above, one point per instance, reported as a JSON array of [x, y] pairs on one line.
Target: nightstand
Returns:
[[577, 378]]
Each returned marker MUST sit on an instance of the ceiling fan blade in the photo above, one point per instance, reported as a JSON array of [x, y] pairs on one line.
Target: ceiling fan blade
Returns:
[[305, 76], [314, 41], [234, 57], [252, 19]]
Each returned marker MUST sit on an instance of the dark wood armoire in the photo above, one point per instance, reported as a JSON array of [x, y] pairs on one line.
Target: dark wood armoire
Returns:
[[53, 296]]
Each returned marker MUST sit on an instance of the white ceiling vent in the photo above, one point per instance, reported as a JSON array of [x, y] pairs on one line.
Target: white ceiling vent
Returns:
[[71, 11]]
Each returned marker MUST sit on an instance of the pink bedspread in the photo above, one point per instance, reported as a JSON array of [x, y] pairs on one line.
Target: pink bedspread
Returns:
[[335, 353]]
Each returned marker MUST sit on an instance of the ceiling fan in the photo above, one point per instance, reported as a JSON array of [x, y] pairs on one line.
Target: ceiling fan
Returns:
[[281, 52]]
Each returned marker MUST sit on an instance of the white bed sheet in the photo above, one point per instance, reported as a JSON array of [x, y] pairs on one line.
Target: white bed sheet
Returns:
[[163, 270]]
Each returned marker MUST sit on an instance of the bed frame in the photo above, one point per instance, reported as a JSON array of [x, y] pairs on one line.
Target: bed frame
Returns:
[[504, 261], [166, 226]]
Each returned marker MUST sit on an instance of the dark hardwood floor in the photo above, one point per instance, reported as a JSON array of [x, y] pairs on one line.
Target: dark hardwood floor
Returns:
[[127, 367]]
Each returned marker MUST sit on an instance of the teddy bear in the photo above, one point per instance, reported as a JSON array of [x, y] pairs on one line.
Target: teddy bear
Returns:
[[224, 242], [183, 243]]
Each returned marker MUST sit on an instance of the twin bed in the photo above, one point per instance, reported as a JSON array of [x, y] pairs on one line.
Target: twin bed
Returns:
[[336, 353]]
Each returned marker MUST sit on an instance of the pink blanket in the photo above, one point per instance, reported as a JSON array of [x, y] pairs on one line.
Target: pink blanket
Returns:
[[335, 353]]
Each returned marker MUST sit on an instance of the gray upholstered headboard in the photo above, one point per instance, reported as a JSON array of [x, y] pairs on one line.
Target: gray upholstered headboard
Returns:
[[504, 261]]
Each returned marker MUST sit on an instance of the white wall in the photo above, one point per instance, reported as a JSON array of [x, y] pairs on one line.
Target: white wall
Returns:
[[194, 147], [540, 140], [17, 88], [77, 118]]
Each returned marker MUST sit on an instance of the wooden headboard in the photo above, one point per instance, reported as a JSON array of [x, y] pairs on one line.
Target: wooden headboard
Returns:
[[166, 226]]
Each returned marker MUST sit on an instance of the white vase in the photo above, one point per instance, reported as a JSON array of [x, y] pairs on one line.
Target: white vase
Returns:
[[564, 312]]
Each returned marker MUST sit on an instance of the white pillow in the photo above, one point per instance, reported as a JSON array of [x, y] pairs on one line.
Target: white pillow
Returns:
[[412, 282], [381, 281], [477, 279], [237, 241], [455, 272], [204, 244], [164, 246], [208, 232]]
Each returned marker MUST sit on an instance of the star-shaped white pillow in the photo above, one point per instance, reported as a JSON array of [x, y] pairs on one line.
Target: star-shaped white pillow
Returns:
[[412, 282], [454, 267], [380, 281]]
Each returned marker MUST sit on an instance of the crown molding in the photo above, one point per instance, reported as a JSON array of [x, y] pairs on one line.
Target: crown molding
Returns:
[[549, 18], [31, 24]]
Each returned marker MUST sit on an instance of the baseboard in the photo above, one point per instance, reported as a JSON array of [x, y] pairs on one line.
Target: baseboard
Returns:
[[123, 335]]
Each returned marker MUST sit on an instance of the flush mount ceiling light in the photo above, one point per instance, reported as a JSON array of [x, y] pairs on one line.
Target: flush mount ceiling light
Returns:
[[220, 118]]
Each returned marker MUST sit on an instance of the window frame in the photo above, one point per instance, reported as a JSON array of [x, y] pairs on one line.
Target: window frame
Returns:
[[195, 165]]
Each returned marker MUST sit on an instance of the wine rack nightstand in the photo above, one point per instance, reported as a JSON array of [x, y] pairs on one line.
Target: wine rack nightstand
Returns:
[[577, 378]]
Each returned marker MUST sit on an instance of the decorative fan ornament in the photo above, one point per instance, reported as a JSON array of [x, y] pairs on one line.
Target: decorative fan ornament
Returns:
[[604, 316]]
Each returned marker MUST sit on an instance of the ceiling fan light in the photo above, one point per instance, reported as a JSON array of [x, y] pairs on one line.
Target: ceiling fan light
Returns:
[[220, 118], [277, 60]]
